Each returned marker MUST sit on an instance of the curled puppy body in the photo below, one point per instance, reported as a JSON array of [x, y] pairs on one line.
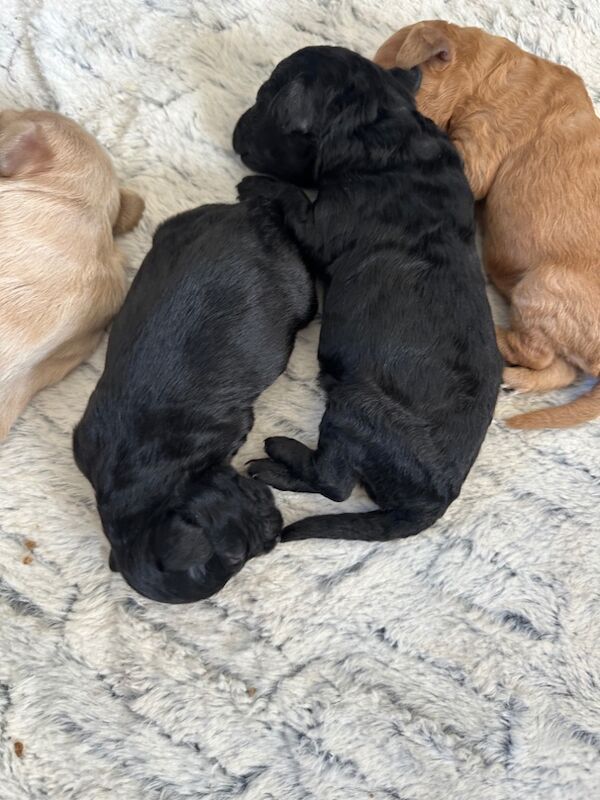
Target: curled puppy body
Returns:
[[61, 274], [407, 350], [530, 139], [208, 324]]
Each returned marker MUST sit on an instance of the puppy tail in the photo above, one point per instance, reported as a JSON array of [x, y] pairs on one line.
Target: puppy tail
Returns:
[[372, 526], [584, 408], [131, 209]]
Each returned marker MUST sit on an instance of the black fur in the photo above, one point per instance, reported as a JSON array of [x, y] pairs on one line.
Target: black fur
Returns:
[[208, 324], [407, 350]]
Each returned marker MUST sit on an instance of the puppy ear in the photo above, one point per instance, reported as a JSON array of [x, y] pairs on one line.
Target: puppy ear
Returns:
[[267, 522], [426, 44], [232, 549], [181, 543], [131, 209], [410, 79], [296, 107], [22, 147]]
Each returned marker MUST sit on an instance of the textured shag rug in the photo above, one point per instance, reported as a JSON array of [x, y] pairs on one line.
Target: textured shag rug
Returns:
[[463, 664]]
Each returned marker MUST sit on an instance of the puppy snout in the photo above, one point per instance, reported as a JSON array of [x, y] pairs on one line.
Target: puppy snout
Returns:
[[240, 135], [238, 143]]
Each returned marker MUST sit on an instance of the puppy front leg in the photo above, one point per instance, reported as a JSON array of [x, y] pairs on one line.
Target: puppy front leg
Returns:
[[296, 208], [253, 186], [294, 203]]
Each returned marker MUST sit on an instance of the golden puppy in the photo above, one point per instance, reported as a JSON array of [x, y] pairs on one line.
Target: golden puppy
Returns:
[[61, 275], [530, 140]]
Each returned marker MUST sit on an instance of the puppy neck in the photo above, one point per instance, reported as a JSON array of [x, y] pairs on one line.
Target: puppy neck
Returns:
[[390, 142]]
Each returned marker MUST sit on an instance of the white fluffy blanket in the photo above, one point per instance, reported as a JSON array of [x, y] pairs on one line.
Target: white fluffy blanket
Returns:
[[461, 664]]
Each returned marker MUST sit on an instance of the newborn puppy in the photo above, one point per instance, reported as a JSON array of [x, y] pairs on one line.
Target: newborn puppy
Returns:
[[530, 140], [407, 350], [61, 274], [208, 324]]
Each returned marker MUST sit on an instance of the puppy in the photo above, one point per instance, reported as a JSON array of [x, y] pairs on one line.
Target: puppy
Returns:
[[208, 324], [407, 350], [61, 275], [530, 141]]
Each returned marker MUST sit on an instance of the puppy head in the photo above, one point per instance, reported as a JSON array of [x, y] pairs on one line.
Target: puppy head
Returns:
[[189, 550], [314, 96], [449, 57], [49, 150]]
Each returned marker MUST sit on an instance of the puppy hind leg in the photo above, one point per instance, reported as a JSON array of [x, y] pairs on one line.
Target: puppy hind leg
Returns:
[[278, 476], [524, 348], [335, 473], [18, 394], [14, 397], [326, 469], [63, 360], [556, 376]]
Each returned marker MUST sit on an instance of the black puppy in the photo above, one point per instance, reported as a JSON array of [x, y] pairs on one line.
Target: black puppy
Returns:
[[208, 324], [407, 350]]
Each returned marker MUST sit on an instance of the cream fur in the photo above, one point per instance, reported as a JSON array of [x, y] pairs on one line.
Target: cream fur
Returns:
[[61, 273]]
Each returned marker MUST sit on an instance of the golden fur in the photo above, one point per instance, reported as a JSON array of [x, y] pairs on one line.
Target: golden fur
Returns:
[[530, 141], [61, 275]]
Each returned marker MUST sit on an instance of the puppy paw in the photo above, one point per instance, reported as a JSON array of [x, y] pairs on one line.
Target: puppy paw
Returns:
[[519, 379], [268, 471], [258, 186], [277, 475], [285, 450]]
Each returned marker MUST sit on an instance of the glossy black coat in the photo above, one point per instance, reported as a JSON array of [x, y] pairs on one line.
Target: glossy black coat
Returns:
[[407, 349], [208, 324]]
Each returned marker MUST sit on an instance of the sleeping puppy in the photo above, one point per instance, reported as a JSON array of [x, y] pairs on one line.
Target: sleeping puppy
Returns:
[[407, 350], [530, 140], [208, 324], [61, 274]]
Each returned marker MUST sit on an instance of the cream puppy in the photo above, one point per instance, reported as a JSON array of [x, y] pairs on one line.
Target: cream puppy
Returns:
[[61, 274]]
